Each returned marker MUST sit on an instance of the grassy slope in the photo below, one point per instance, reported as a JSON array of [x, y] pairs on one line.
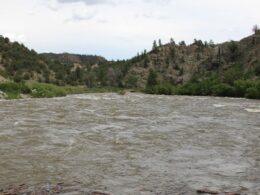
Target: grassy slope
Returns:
[[43, 90]]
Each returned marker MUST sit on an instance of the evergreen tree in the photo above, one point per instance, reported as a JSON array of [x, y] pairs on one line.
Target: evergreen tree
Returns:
[[172, 41], [182, 43], [256, 29], [155, 45], [78, 74], [152, 78], [146, 61], [160, 43], [211, 43]]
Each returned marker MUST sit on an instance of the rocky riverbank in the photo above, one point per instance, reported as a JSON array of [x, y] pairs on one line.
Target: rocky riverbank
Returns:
[[64, 189], [47, 189]]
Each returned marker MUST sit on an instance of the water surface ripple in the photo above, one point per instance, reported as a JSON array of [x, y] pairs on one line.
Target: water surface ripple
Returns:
[[132, 144]]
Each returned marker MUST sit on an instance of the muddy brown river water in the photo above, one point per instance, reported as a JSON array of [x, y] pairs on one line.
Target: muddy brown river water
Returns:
[[132, 144]]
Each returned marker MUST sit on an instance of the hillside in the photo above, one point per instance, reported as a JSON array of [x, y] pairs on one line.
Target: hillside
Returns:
[[178, 64], [18, 63], [172, 64], [73, 59]]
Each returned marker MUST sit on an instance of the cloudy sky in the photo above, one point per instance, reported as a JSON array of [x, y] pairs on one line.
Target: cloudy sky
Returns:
[[118, 29]]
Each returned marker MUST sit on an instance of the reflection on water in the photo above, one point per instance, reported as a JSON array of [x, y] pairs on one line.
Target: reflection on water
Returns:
[[133, 143]]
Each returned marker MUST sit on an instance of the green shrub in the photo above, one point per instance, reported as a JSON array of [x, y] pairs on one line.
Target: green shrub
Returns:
[[15, 88], [12, 96], [223, 90], [232, 74], [247, 88], [46, 90], [252, 93], [152, 78], [197, 88], [161, 89], [164, 89], [187, 89], [132, 81], [234, 50], [150, 90]]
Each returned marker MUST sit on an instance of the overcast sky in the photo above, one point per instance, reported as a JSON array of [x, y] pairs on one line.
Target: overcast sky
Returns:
[[118, 29]]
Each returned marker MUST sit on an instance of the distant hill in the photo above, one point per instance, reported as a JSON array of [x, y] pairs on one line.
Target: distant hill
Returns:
[[71, 59], [176, 64], [17, 63]]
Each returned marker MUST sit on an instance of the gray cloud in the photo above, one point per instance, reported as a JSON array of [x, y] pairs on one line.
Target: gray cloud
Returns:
[[80, 17], [95, 2], [87, 2], [158, 1]]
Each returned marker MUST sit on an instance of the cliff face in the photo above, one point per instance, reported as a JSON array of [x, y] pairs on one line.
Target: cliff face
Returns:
[[179, 63]]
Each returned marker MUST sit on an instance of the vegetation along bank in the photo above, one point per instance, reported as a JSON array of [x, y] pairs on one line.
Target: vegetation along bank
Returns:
[[230, 69]]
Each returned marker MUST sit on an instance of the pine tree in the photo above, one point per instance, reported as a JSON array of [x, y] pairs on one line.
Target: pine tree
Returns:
[[146, 61], [211, 43], [256, 29], [160, 43], [172, 41], [182, 43], [155, 45], [152, 78]]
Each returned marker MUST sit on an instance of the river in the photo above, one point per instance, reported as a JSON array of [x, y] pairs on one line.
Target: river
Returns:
[[132, 144]]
